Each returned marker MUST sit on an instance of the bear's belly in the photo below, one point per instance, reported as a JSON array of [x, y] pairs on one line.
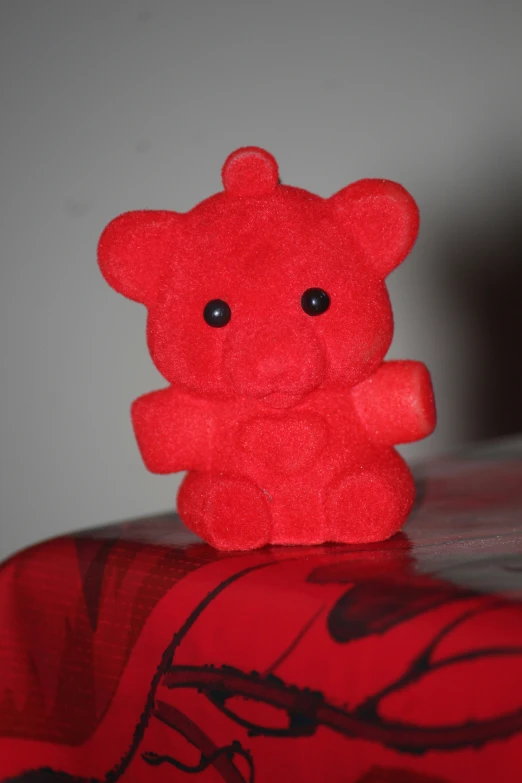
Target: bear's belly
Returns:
[[286, 444]]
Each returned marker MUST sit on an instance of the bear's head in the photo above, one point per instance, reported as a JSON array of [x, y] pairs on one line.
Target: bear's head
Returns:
[[265, 290]]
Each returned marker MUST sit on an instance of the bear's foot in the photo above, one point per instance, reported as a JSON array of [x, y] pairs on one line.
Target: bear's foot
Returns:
[[229, 513], [369, 505]]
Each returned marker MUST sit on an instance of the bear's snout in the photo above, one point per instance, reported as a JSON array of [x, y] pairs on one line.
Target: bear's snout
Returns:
[[272, 360]]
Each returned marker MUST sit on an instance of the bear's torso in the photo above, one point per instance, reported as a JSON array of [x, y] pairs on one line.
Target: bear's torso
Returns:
[[320, 436]]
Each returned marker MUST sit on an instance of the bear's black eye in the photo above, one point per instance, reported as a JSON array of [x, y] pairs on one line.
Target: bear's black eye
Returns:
[[315, 301], [217, 313]]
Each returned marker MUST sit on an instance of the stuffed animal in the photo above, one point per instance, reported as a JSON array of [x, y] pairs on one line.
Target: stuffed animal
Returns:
[[269, 317]]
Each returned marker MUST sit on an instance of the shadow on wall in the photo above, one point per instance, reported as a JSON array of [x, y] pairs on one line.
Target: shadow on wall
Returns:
[[483, 279]]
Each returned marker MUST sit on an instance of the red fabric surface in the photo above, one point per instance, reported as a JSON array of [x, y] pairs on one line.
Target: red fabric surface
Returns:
[[285, 420], [137, 653]]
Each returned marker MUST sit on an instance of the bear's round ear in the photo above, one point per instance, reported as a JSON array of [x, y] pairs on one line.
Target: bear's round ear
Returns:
[[133, 249], [384, 218]]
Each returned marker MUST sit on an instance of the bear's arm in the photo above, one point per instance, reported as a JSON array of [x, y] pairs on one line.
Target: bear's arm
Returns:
[[396, 404], [174, 430]]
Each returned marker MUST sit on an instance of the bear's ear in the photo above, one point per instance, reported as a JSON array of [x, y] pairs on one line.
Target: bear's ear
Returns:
[[384, 218], [134, 247]]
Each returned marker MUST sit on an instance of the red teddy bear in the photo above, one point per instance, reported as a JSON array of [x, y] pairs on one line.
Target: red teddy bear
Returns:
[[269, 317]]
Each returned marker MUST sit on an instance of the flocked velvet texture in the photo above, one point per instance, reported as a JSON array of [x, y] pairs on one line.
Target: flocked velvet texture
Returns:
[[285, 421]]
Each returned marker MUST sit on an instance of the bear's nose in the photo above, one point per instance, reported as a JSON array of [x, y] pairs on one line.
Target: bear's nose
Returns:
[[269, 359]]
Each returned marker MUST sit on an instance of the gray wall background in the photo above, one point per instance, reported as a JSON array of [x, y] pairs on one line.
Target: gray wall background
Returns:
[[108, 106]]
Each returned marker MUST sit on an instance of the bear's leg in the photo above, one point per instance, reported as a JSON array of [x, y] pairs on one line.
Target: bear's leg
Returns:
[[229, 513], [370, 503]]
